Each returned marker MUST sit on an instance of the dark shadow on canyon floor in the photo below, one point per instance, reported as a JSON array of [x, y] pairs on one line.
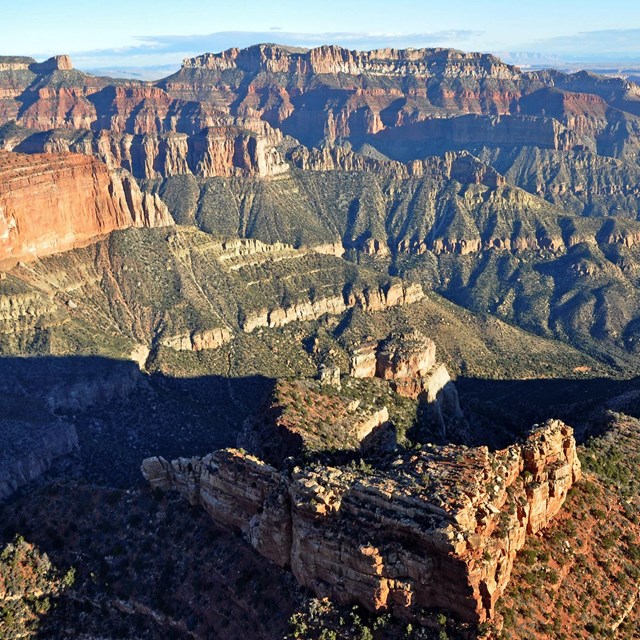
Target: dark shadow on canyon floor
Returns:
[[503, 409], [122, 415], [155, 553]]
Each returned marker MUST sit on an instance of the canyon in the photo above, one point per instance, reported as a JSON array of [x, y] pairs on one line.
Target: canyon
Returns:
[[243, 112], [324, 295]]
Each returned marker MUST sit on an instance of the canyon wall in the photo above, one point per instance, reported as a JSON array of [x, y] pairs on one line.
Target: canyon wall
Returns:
[[41, 398], [230, 113], [331, 59], [55, 202], [28, 450], [214, 151]]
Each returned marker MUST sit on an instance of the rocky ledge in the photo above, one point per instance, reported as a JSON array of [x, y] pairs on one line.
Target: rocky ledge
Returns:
[[407, 361], [438, 527], [198, 340], [367, 299]]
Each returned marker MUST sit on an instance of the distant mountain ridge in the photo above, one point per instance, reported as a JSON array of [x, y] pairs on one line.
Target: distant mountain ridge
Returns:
[[434, 163]]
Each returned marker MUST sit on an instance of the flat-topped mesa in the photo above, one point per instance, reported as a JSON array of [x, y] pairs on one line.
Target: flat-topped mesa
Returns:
[[438, 528], [332, 59], [302, 417], [16, 63], [55, 202]]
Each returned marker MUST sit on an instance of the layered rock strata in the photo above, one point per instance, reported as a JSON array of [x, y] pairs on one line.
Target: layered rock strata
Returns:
[[405, 355], [331, 59], [198, 340], [55, 202], [225, 150], [368, 299], [228, 113], [434, 528]]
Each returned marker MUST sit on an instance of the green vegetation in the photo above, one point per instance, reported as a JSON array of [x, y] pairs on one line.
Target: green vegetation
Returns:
[[323, 620], [532, 278], [585, 568], [108, 573], [29, 586]]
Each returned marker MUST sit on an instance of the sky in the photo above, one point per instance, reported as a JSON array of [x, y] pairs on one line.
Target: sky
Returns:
[[145, 33]]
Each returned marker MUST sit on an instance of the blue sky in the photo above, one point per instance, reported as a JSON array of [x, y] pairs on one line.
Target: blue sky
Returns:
[[162, 32]]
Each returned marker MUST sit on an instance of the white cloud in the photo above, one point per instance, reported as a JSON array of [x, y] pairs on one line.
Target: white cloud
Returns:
[[595, 45]]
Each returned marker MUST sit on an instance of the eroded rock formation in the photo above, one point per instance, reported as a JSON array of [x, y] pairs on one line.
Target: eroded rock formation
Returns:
[[227, 113], [434, 528], [367, 299], [198, 340], [408, 363]]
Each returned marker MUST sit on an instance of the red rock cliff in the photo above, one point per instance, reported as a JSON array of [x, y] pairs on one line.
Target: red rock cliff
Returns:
[[55, 202]]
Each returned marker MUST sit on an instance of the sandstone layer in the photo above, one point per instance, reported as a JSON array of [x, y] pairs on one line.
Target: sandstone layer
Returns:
[[198, 340], [408, 363], [434, 528], [55, 202], [229, 113]]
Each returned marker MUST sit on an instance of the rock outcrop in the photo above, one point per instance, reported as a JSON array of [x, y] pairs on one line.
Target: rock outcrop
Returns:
[[408, 363], [368, 299], [364, 360], [438, 528], [55, 202], [302, 417], [405, 355], [29, 449], [55, 63], [198, 340]]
